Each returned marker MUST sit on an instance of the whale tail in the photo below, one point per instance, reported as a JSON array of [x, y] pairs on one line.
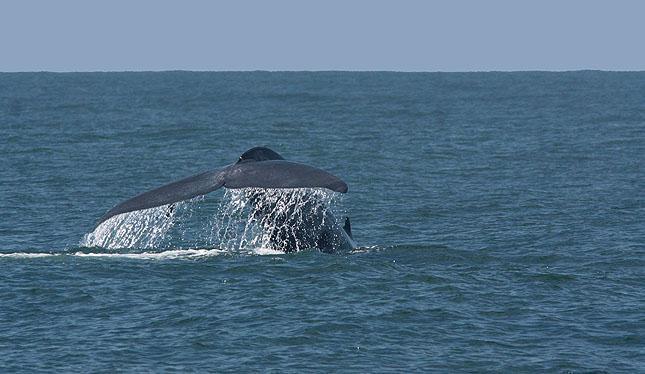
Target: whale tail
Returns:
[[258, 167]]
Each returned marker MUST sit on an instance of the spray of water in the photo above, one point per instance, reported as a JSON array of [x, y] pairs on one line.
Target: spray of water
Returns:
[[288, 219], [248, 219]]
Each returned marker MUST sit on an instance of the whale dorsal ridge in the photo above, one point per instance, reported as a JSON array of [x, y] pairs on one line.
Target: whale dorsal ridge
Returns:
[[259, 154]]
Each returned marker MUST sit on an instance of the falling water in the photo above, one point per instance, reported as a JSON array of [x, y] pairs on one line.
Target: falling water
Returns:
[[253, 218], [145, 229], [246, 219]]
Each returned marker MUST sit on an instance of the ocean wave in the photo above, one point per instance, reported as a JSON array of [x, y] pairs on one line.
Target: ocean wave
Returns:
[[148, 255], [165, 255], [27, 255], [170, 254]]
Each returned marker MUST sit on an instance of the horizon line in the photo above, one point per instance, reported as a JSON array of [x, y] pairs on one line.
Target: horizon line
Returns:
[[321, 71]]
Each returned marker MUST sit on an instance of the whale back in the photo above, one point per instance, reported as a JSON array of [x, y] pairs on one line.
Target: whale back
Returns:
[[259, 154]]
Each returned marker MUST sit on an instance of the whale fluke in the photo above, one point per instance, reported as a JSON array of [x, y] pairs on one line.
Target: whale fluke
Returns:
[[258, 167], [280, 174], [183, 189]]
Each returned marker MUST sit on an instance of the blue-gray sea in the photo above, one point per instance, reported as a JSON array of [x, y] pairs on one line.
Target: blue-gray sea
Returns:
[[500, 219]]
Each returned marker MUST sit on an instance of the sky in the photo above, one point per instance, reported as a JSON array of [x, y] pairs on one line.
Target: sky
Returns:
[[403, 35]]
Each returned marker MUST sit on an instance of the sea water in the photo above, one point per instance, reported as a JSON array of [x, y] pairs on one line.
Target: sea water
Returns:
[[500, 219]]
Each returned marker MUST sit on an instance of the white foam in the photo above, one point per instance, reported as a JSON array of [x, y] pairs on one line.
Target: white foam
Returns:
[[266, 252], [369, 248], [165, 255], [27, 255]]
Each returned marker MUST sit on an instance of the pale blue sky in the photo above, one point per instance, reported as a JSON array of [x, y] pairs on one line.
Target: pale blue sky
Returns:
[[455, 35]]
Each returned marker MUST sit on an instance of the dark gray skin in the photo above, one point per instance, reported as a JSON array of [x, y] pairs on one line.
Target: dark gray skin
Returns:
[[259, 167]]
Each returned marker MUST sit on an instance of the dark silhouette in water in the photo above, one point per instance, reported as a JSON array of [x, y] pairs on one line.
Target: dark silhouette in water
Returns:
[[263, 168]]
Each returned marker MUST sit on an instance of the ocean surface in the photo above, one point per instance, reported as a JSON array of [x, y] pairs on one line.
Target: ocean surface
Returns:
[[500, 219]]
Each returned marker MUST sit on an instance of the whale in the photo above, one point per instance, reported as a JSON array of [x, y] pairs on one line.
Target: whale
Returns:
[[259, 171]]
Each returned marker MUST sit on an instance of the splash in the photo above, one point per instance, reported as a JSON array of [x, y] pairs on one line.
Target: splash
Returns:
[[164, 255], [144, 229], [254, 220], [26, 255]]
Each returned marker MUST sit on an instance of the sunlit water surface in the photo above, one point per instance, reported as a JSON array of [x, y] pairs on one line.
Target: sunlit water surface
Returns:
[[498, 216]]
